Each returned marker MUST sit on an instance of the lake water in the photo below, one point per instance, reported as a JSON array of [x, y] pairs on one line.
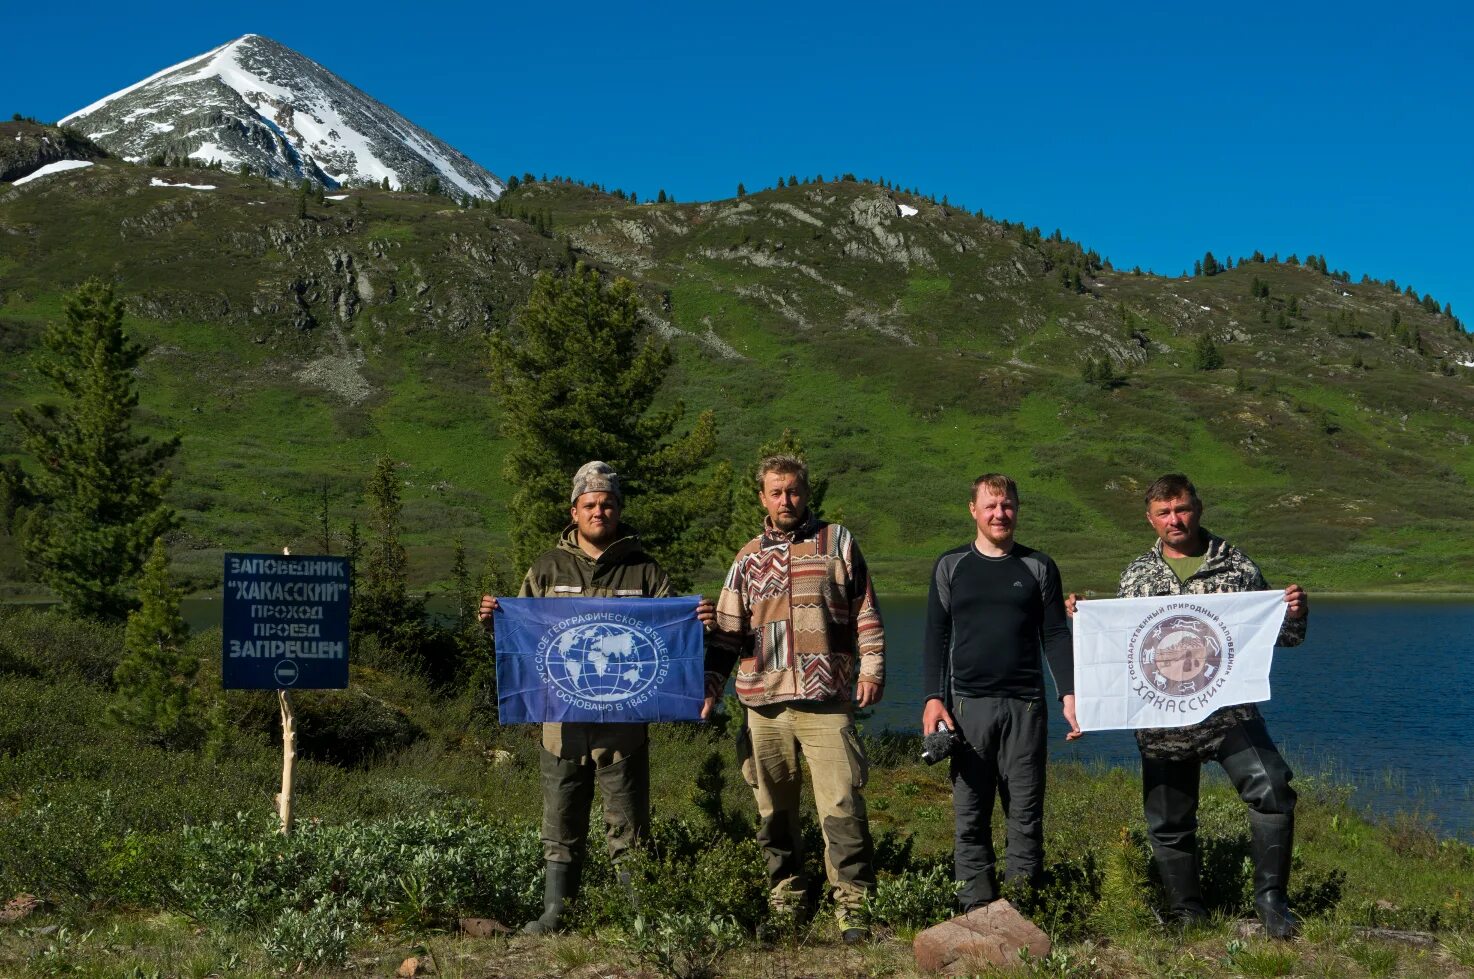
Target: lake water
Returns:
[[1378, 696]]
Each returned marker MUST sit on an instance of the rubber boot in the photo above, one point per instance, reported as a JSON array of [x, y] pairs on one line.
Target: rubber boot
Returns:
[[1170, 804], [1272, 840], [560, 887], [1179, 873]]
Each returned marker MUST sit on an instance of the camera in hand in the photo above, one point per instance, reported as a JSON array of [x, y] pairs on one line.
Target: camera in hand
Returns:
[[938, 745]]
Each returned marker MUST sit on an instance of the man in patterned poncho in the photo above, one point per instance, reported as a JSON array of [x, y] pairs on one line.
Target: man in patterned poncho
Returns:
[[1187, 560], [798, 617]]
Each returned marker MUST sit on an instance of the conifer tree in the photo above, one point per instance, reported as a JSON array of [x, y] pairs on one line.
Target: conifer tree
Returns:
[[660, 197], [155, 678], [98, 488], [461, 584], [381, 599], [741, 190], [1205, 354], [577, 375]]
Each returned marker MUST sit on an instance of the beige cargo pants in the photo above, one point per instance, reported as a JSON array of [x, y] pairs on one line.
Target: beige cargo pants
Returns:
[[824, 735]]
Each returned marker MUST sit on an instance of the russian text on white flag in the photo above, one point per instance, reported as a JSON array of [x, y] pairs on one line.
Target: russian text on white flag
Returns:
[[1172, 661]]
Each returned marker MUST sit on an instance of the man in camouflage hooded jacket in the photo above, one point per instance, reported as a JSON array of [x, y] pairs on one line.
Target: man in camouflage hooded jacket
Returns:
[[1187, 560]]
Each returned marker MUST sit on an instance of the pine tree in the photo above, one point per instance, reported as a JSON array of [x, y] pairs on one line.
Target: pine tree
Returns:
[[660, 197], [577, 376], [1205, 354], [353, 550], [462, 593], [741, 190], [98, 488], [324, 523], [155, 678], [513, 182], [381, 599], [1209, 265]]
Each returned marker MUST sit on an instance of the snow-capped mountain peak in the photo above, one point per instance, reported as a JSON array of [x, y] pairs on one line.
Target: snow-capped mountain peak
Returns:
[[254, 102]]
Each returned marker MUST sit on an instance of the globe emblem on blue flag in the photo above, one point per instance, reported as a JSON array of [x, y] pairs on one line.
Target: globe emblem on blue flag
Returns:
[[598, 660], [605, 662]]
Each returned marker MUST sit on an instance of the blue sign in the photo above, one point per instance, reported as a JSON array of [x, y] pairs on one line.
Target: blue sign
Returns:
[[600, 660], [285, 622]]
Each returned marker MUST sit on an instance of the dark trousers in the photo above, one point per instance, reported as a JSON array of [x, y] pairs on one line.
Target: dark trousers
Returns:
[[568, 792], [1005, 752], [1170, 797]]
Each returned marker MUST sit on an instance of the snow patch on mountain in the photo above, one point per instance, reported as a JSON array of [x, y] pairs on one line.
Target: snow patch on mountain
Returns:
[[254, 102], [60, 166], [156, 182]]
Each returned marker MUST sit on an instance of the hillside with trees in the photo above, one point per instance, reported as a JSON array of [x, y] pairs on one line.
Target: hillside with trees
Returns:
[[907, 342]]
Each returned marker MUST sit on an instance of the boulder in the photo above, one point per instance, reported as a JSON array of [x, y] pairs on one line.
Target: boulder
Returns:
[[990, 935], [483, 927], [19, 908]]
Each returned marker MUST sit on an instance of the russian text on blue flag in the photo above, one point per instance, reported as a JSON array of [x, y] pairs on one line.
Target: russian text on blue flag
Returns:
[[599, 660]]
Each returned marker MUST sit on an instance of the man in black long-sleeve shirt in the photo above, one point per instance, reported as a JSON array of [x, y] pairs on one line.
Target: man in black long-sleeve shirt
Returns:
[[993, 605]]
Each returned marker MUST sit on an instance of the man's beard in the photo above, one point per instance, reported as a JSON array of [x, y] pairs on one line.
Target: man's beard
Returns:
[[786, 521]]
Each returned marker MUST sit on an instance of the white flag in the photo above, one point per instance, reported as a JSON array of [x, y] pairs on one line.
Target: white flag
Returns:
[[1173, 660]]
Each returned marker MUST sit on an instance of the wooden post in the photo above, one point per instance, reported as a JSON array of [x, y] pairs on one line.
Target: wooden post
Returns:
[[288, 762]]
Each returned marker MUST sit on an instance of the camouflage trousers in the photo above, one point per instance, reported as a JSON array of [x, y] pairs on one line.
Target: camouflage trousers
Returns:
[[618, 761]]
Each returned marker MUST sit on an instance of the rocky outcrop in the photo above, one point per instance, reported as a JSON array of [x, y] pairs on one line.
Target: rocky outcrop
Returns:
[[26, 147]]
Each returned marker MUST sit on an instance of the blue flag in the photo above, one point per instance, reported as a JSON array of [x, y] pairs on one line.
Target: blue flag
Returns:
[[600, 660]]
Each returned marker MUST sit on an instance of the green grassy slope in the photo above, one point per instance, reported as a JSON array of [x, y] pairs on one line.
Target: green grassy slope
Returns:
[[910, 353]]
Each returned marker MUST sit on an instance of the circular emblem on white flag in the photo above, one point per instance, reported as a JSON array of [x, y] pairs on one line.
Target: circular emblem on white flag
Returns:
[[1181, 654]]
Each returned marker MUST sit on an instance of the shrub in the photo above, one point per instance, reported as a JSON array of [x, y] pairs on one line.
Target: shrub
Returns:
[[684, 870], [75, 847], [317, 937], [1062, 903], [682, 944], [914, 898], [245, 874], [51, 646]]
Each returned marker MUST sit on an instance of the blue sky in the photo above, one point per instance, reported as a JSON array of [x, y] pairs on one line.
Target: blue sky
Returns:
[[1150, 133]]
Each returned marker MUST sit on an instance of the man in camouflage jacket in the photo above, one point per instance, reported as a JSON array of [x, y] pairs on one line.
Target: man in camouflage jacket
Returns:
[[1187, 560]]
